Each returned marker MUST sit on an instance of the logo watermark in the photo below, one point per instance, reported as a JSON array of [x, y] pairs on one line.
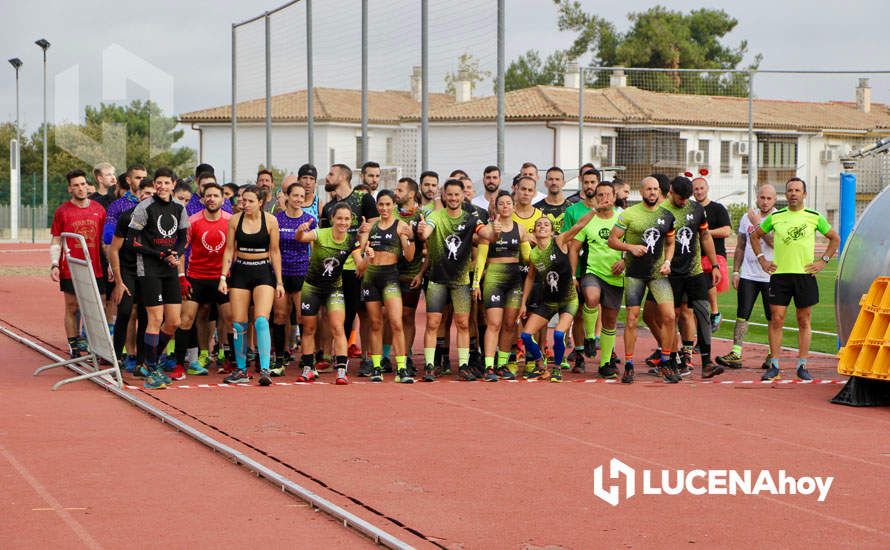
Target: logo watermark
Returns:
[[119, 67], [704, 482]]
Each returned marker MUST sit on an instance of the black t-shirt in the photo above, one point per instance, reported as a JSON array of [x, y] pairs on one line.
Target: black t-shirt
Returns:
[[471, 208], [104, 200], [555, 213], [127, 253], [158, 227], [360, 202], [718, 217]]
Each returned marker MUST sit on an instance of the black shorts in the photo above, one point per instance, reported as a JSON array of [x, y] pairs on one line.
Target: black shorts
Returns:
[[352, 290], [312, 298], [67, 286], [249, 274], [610, 295], [206, 291], [157, 291], [380, 283], [292, 283], [802, 287], [689, 288], [410, 296], [748, 291], [534, 297]]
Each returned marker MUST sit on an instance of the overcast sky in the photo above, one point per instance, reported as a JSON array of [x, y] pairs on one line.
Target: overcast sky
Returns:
[[189, 40]]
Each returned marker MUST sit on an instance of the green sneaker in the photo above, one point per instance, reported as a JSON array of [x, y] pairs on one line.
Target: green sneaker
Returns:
[[153, 381], [196, 369], [556, 374]]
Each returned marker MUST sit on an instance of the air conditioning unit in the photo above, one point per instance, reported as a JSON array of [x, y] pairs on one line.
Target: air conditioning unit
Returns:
[[827, 156], [696, 157], [599, 152], [740, 148]]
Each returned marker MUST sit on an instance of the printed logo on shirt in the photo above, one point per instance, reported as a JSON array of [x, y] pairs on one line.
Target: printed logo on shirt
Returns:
[[215, 248]]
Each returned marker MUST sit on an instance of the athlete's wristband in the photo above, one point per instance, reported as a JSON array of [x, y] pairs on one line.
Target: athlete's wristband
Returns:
[[182, 274], [761, 255], [222, 277]]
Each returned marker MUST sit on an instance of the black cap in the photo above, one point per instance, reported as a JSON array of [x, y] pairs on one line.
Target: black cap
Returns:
[[307, 170]]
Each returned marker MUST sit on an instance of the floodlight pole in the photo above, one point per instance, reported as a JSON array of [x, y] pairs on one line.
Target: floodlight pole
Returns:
[[44, 45]]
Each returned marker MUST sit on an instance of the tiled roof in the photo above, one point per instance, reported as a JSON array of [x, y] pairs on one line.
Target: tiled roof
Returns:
[[331, 105], [620, 106], [630, 105]]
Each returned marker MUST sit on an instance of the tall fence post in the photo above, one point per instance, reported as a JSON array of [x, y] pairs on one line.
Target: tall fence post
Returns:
[[234, 104], [364, 151], [750, 139], [268, 92], [34, 208], [502, 106], [424, 85], [310, 87], [580, 123]]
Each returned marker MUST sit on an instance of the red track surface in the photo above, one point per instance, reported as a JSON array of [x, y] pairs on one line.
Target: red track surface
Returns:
[[466, 465]]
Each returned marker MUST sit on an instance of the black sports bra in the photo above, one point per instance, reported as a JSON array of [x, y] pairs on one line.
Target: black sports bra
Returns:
[[507, 245], [252, 243]]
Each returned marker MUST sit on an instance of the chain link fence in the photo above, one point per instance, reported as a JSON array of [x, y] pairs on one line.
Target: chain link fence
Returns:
[[746, 128]]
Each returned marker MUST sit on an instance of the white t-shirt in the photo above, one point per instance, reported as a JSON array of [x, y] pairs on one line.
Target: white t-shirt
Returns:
[[480, 201], [751, 269]]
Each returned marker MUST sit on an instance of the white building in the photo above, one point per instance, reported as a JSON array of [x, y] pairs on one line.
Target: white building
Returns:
[[636, 130]]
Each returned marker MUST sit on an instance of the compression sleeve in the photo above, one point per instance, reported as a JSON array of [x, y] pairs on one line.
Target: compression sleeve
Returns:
[[481, 257]]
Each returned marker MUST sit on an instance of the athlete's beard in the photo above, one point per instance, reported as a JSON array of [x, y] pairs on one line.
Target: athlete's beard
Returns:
[[589, 193], [330, 187], [653, 202], [621, 203], [212, 210], [491, 187]]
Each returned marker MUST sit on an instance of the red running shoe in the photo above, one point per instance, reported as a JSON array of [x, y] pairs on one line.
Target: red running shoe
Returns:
[[354, 351], [178, 372], [308, 375], [342, 379]]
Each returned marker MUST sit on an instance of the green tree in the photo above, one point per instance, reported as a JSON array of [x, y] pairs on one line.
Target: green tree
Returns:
[[468, 68], [664, 39], [529, 70]]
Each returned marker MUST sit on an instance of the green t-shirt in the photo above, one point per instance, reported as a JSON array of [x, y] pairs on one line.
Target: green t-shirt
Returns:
[[328, 257], [795, 237], [689, 220], [450, 245], [650, 228], [574, 213], [600, 257]]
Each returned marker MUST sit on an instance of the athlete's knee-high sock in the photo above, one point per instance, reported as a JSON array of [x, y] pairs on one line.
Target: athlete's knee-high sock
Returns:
[[463, 356], [182, 345], [738, 335], [531, 347], [240, 354], [559, 347], [607, 339], [590, 315], [151, 350], [263, 341], [278, 331], [702, 311], [163, 340]]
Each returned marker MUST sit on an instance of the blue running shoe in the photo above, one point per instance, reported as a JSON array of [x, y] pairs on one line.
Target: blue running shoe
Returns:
[[196, 369], [803, 373], [772, 373], [167, 362], [130, 363]]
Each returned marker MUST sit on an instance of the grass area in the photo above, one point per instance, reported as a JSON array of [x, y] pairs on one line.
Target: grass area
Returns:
[[823, 318]]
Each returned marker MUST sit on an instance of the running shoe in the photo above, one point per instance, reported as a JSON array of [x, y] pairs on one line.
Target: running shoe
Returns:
[[767, 362], [167, 362], [196, 369], [83, 346], [533, 374], [490, 375], [354, 351], [265, 378], [324, 366], [386, 365], [803, 373], [225, 367], [731, 360], [654, 360], [465, 373], [130, 363], [238, 376], [365, 367], [628, 377], [402, 377], [710, 370], [579, 364], [141, 371], [429, 373], [683, 367], [716, 318], [154, 382], [278, 367], [342, 379], [590, 347], [309, 374], [376, 374], [163, 375], [772, 373], [668, 375], [505, 374], [409, 366], [556, 374], [444, 366], [608, 372]]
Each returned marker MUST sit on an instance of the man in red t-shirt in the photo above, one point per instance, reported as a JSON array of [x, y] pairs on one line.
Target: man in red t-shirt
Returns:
[[207, 234], [85, 217]]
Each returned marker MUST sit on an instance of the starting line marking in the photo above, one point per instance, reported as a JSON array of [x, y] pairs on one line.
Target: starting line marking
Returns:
[[585, 381]]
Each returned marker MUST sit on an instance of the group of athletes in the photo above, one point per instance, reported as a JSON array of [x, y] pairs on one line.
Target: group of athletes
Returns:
[[264, 271]]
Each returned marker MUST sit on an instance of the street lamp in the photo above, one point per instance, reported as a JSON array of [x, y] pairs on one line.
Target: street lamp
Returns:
[[44, 45], [15, 161]]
